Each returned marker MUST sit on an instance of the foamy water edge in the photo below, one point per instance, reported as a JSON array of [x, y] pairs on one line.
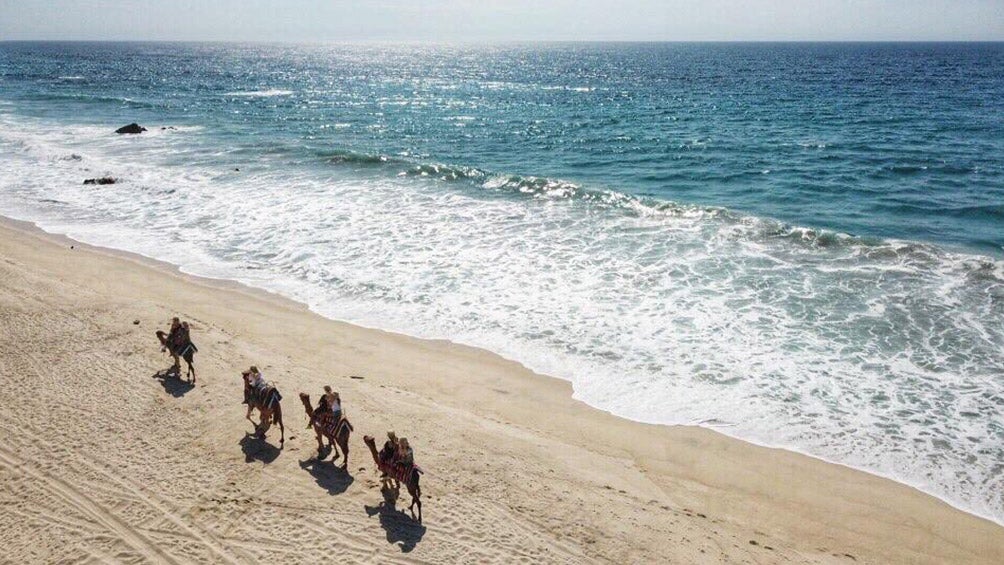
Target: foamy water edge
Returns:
[[272, 290]]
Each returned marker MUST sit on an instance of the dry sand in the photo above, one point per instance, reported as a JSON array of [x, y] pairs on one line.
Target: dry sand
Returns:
[[102, 461]]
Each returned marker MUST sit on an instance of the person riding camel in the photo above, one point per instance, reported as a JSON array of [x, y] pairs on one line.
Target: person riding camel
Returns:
[[185, 348], [334, 403], [389, 452], [256, 385], [169, 340], [329, 402], [172, 334], [405, 458], [182, 337]]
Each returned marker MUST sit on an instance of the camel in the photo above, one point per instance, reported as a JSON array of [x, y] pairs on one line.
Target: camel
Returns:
[[411, 481], [337, 432], [269, 408], [168, 342]]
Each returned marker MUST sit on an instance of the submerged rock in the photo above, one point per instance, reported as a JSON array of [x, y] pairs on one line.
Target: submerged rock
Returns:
[[131, 128], [102, 180]]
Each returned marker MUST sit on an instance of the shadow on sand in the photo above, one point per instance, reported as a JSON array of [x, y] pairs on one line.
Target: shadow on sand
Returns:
[[172, 383], [256, 449], [402, 530], [328, 475]]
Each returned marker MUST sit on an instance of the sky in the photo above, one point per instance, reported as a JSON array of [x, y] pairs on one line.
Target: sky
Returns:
[[503, 20]]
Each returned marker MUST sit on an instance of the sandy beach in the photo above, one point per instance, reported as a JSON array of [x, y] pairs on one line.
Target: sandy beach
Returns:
[[101, 460]]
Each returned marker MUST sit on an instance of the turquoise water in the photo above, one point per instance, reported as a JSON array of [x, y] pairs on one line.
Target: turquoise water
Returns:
[[903, 141], [797, 244]]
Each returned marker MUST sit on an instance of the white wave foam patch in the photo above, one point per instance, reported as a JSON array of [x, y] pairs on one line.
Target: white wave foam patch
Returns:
[[883, 357], [260, 93]]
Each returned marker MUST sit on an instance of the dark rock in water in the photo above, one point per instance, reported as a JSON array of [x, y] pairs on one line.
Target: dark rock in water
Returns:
[[131, 128], [102, 180], [168, 127]]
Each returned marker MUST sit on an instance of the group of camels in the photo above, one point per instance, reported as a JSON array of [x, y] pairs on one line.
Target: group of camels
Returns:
[[269, 406]]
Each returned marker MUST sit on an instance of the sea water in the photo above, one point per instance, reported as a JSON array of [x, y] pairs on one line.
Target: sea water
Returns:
[[801, 245]]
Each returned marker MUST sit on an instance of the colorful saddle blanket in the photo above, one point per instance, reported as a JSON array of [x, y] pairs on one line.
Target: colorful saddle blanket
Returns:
[[398, 472], [329, 426]]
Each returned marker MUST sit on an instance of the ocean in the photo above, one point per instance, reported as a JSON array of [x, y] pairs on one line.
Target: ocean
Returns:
[[799, 245]]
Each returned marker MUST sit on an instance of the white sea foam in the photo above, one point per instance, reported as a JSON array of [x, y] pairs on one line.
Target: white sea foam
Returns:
[[261, 93], [881, 356]]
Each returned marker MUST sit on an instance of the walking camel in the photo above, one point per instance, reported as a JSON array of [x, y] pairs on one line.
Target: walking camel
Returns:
[[409, 476], [324, 425], [269, 407]]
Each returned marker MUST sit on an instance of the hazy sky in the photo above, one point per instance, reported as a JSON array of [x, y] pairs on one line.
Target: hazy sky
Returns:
[[334, 20]]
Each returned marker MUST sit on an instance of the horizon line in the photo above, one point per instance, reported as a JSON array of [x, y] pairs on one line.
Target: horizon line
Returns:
[[491, 41]]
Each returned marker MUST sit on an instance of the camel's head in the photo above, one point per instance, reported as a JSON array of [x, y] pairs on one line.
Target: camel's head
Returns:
[[305, 399]]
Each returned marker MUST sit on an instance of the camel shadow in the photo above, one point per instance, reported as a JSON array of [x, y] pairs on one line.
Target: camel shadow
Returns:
[[256, 449], [331, 477], [172, 383], [402, 530]]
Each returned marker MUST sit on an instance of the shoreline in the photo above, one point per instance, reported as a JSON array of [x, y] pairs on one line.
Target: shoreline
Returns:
[[687, 462], [288, 302]]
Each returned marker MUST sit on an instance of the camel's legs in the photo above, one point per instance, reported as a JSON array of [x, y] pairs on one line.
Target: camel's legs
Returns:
[[266, 423], [344, 444], [320, 442]]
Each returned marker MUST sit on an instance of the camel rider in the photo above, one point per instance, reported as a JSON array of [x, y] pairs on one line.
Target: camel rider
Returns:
[[256, 383], [169, 340], [329, 402], [405, 458], [186, 349], [334, 403], [388, 452], [324, 405], [182, 337]]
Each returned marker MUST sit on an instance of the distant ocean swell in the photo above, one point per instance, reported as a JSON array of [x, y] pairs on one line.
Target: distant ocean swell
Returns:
[[881, 354], [542, 187]]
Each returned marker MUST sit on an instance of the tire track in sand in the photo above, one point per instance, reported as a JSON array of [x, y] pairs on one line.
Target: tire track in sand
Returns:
[[139, 494], [66, 492]]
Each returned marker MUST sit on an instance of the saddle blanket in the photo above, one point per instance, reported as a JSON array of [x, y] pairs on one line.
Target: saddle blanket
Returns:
[[331, 427]]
